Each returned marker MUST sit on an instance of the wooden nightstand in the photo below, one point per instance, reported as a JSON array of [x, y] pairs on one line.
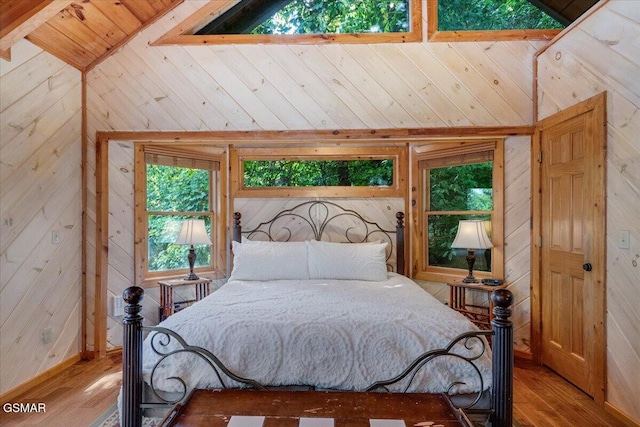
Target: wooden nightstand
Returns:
[[480, 315], [167, 305]]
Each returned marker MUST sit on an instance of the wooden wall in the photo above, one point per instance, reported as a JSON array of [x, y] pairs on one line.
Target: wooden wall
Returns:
[[602, 54], [517, 238], [297, 87], [121, 243], [40, 191]]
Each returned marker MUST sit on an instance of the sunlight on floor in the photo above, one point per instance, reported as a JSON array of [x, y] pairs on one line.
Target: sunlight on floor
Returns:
[[108, 381]]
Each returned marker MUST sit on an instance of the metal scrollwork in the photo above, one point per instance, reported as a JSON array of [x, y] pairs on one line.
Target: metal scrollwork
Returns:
[[160, 342], [469, 340], [317, 218]]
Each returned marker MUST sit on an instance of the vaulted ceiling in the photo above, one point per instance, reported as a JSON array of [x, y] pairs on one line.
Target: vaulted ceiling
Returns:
[[564, 11], [84, 32]]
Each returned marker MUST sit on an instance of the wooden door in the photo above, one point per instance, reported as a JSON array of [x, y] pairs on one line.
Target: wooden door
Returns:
[[572, 245]]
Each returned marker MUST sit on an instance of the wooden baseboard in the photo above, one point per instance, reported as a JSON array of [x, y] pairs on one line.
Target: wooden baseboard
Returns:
[[523, 355], [116, 351], [39, 379], [620, 415]]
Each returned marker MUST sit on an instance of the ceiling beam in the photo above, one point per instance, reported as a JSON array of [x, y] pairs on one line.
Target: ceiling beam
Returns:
[[18, 18]]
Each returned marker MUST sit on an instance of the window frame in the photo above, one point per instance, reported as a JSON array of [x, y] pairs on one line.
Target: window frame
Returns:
[[324, 152], [434, 35], [439, 151], [216, 212], [183, 34]]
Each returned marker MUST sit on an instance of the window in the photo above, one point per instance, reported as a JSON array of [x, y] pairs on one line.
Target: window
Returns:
[[319, 172], [312, 17], [170, 188], [464, 20], [301, 21], [456, 181]]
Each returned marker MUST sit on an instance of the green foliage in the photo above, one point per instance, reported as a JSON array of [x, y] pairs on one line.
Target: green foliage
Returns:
[[451, 188], [456, 188], [338, 16], [378, 16], [163, 253], [174, 189], [457, 15], [315, 173]]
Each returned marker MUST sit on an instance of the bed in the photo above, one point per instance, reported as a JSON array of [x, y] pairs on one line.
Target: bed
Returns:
[[321, 315]]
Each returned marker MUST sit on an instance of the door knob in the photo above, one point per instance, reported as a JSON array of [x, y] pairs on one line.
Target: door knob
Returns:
[[587, 266]]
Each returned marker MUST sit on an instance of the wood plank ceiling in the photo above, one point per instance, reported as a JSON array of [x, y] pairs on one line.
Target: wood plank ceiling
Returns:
[[564, 11], [81, 33]]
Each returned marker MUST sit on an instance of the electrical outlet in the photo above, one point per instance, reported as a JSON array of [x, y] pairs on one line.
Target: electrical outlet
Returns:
[[55, 237], [47, 335], [623, 239], [118, 305]]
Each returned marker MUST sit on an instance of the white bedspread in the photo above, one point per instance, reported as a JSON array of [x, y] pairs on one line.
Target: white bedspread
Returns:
[[330, 334]]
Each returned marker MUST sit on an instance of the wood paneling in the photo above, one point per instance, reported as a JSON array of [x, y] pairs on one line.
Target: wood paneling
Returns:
[[291, 91], [19, 18], [82, 33], [40, 191], [601, 54], [336, 86], [517, 238]]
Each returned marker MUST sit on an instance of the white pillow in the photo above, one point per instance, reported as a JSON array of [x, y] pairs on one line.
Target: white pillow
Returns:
[[347, 261], [269, 261]]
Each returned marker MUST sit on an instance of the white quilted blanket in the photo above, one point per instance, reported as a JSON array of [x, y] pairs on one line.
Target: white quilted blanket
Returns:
[[330, 334]]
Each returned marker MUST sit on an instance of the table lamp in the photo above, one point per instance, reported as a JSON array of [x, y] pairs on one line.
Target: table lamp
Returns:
[[471, 235], [193, 233]]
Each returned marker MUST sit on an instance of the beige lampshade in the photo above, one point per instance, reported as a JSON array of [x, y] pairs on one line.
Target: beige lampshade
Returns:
[[472, 234], [193, 233]]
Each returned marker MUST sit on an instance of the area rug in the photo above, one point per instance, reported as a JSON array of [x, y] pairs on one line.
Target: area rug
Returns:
[[110, 418]]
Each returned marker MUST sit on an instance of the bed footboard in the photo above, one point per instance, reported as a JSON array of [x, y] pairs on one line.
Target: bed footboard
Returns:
[[502, 359], [501, 404], [132, 382]]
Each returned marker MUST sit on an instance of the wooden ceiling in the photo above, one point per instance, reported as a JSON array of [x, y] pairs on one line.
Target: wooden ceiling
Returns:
[[564, 11], [81, 33], [84, 32]]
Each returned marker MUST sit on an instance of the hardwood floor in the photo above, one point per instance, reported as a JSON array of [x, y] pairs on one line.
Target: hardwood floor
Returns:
[[80, 394], [75, 397]]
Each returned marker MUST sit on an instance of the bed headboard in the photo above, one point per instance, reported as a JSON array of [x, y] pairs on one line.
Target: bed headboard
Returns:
[[318, 219]]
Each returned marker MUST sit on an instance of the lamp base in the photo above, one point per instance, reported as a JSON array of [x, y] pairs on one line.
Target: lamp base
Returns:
[[471, 259], [192, 261]]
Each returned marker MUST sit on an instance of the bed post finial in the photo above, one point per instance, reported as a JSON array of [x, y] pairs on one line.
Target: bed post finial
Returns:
[[502, 359], [237, 228], [132, 358], [400, 243]]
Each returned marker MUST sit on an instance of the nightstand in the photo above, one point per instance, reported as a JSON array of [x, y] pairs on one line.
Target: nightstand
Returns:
[[168, 306], [479, 314]]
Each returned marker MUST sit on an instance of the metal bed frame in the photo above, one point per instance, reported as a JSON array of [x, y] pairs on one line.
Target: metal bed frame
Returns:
[[319, 215]]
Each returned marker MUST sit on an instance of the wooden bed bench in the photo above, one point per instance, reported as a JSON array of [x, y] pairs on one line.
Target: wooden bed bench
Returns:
[[269, 408]]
